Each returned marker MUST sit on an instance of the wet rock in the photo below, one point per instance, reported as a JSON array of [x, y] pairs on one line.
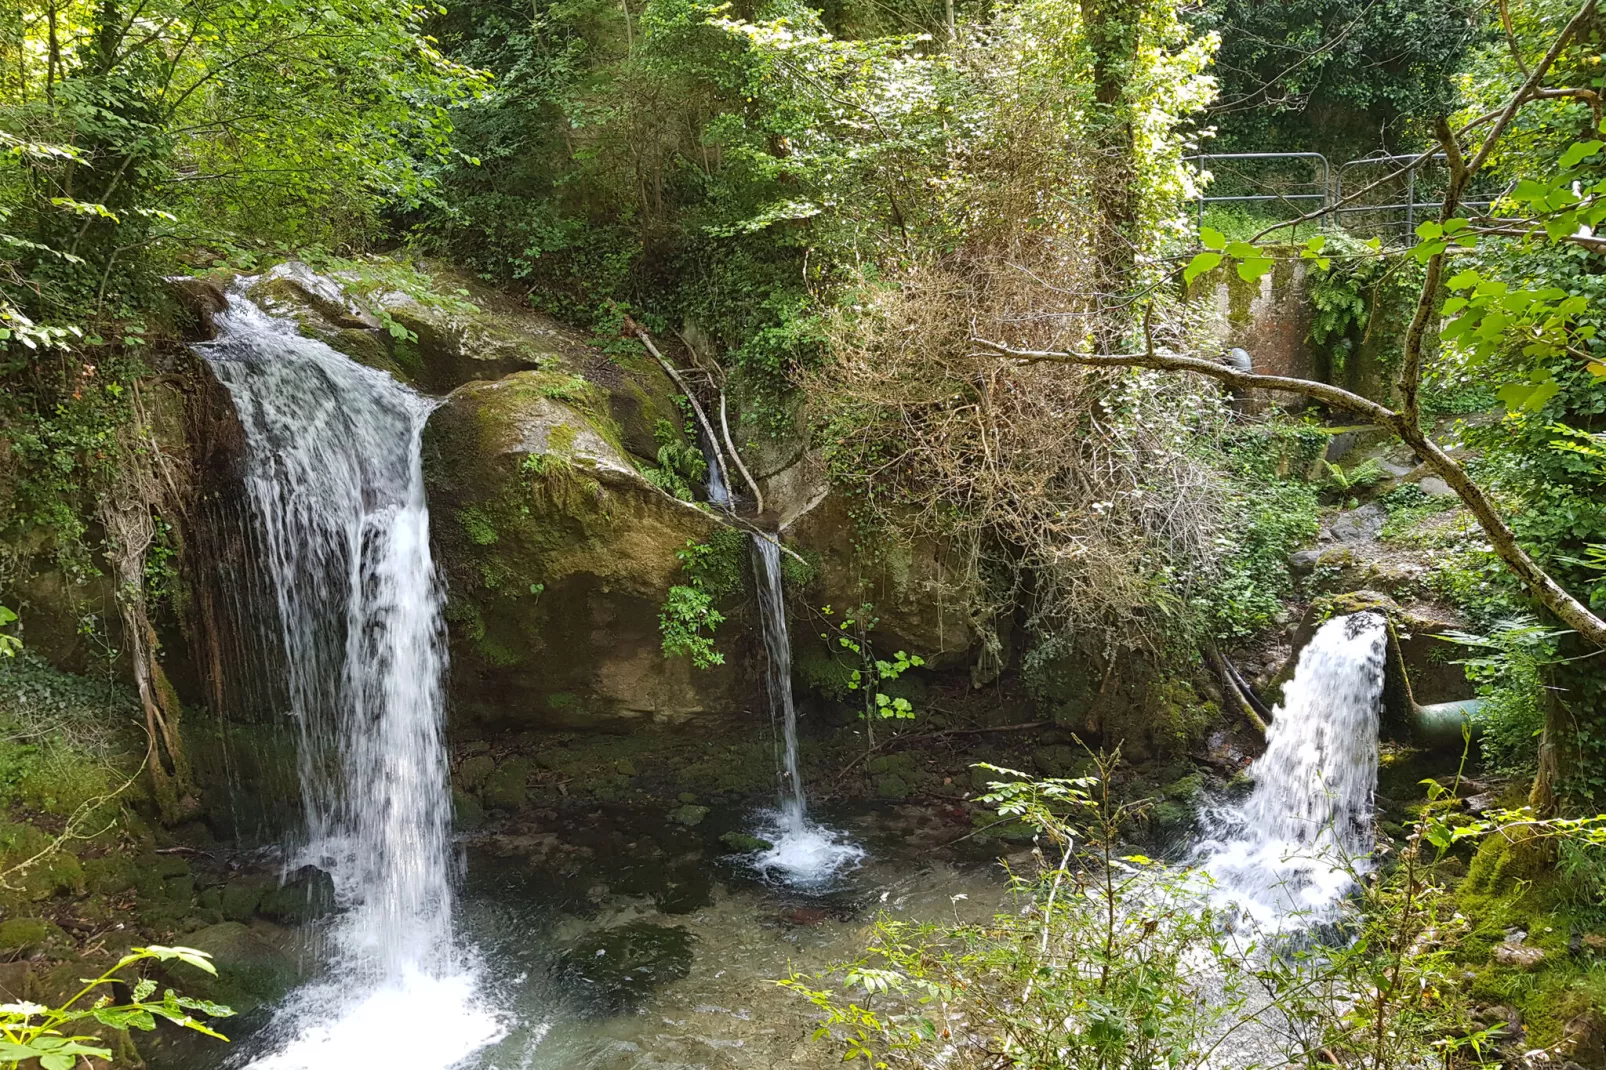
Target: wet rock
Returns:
[[615, 968], [745, 843], [32, 937], [202, 299], [1304, 562], [252, 968], [467, 813], [309, 894], [689, 815], [1434, 487]]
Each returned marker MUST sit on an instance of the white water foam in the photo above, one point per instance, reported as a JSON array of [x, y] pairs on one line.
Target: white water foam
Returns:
[[335, 480], [1285, 858], [804, 853]]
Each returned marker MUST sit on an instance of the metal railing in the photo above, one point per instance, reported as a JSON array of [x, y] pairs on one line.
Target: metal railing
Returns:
[[1331, 185], [1325, 181]]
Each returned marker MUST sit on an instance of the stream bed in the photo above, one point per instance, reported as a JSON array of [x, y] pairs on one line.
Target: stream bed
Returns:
[[611, 939]]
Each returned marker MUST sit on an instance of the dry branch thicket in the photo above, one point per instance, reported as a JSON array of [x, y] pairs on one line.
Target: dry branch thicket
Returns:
[[1080, 492]]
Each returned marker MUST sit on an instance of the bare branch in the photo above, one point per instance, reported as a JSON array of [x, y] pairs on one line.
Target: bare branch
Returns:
[[1546, 590]]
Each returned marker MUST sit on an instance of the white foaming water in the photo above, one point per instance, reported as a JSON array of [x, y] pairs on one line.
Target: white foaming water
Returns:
[[1287, 855], [804, 853], [335, 481]]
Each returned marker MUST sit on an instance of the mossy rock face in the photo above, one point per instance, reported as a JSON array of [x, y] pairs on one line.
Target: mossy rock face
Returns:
[[467, 813], [892, 786], [620, 966], [559, 556], [1149, 712], [474, 771], [919, 589]]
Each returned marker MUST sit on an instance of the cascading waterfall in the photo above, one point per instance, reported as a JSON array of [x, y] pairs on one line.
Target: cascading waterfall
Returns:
[[803, 852], [335, 480], [778, 661], [1286, 856]]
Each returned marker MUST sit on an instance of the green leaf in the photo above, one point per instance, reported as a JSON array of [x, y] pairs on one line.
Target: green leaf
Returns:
[[1200, 264], [1464, 280], [1253, 268], [1529, 397], [1211, 238], [1577, 153]]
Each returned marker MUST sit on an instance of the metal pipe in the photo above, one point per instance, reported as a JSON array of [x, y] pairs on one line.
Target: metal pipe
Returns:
[[1441, 724]]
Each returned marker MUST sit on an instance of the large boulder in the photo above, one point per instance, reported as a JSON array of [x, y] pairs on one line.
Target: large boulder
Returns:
[[559, 555]]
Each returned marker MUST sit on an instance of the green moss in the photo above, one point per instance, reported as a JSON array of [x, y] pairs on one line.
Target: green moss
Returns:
[[21, 937], [477, 526], [472, 773], [506, 787]]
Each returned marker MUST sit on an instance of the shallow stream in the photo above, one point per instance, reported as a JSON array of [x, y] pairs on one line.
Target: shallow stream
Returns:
[[607, 940]]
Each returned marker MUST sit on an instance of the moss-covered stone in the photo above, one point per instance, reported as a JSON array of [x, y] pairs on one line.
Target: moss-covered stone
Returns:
[[473, 772], [26, 937], [560, 556], [507, 786], [252, 969], [689, 815], [744, 843], [467, 813], [241, 897], [891, 786]]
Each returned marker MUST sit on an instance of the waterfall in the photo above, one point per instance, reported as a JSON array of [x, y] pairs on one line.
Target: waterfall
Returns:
[[778, 678], [719, 492], [335, 481], [1288, 854], [804, 853]]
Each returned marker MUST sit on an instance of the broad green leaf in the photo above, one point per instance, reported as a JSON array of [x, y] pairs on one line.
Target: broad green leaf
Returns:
[[1577, 153], [1464, 280], [1200, 264], [1254, 267], [1211, 238]]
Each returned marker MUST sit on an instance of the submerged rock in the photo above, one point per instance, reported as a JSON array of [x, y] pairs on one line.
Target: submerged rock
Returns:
[[616, 968], [689, 815]]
